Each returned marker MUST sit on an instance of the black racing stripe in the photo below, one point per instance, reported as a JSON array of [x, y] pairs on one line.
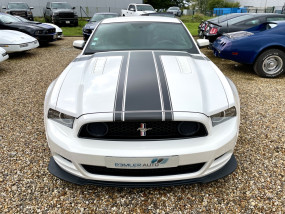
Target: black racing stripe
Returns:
[[120, 87], [143, 116], [142, 92], [164, 88]]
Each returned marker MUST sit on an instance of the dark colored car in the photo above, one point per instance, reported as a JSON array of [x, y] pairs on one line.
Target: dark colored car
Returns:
[[42, 34], [94, 21], [19, 9], [262, 46], [240, 23], [60, 13], [205, 24]]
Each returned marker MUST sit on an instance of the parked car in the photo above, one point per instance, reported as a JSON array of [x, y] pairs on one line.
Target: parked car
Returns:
[[42, 34], [159, 14], [3, 55], [94, 21], [60, 13], [262, 46], [19, 9], [58, 30], [15, 41], [175, 10], [137, 10], [141, 105], [205, 24], [240, 23]]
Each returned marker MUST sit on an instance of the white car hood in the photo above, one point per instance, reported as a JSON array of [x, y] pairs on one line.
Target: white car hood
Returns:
[[14, 37], [140, 81]]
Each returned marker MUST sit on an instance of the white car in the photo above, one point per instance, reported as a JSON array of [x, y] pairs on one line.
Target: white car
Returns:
[[58, 30], [3, 55], [141, 106], [15, 41]]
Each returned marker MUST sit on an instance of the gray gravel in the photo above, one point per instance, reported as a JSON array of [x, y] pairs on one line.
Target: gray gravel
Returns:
[[257, 186]]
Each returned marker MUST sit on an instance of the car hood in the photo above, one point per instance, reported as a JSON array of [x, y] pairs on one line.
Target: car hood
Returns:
[[63, 10], [91, 25], [140, 81], [14, 37], [25, 25]]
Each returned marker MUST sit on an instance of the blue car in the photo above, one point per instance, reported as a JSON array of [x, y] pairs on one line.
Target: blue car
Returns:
[[262, 46], [94, 21]]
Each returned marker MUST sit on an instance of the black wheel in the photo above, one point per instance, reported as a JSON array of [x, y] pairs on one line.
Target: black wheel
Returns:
[[270, 63]]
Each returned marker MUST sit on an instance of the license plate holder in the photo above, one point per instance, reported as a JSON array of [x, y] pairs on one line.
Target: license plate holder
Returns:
[[142, 163]]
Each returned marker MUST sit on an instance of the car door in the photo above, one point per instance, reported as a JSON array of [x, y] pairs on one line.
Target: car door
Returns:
[[131, 10], [48, 12]]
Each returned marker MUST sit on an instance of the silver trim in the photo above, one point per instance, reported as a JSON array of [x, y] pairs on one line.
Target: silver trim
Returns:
[[159, 86], [125, 88]]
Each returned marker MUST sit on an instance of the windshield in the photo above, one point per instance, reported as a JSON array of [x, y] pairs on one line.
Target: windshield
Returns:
[[144, 7], [99, 17], [238, 19], [22, 19], [140, 36], [60, 5], [8, 19], [173, 8], [18, 6]]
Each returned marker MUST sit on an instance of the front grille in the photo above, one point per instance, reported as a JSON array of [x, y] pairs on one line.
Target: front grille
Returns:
[[129, 130], [144, 172], [50, 31], [66, 15], [19, 13]]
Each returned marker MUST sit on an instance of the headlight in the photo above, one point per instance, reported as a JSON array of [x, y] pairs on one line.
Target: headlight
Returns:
[[75, 13], [55, 13], [61, 118], [223, 116], [30, 13]]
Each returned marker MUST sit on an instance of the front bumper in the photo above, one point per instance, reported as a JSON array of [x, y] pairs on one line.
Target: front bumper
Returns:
[[46, 37], [22, 47], [64, 21], [60, 173], [70, 154]]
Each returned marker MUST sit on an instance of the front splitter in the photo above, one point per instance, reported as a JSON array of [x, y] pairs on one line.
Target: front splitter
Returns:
[[60, 173]]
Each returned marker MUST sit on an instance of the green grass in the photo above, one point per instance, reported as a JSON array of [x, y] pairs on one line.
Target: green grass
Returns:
[[193, 28], [191, 22]]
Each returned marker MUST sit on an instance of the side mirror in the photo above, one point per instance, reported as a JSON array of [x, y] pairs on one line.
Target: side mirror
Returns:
[[3, 7], [73, 8], [132, 9], [202, 43], [79, 44], [48, 8], [155, 10], [31, 8], [87, 20]]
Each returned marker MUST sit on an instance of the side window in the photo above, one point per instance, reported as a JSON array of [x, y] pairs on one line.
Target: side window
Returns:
[[252, 22], [131, 7], [269, 19]]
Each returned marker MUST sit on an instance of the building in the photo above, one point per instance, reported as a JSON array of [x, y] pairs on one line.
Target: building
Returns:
[[82, 6], [260, 3]]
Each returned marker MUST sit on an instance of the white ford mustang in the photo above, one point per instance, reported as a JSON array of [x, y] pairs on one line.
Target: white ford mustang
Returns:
[[15, 41], [141, 106]]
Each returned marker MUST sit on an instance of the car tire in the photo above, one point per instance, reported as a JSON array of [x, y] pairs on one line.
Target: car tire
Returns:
[[270, 63]]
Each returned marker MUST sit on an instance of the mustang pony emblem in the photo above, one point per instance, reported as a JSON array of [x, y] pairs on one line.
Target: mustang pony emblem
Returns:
[[143, 129]]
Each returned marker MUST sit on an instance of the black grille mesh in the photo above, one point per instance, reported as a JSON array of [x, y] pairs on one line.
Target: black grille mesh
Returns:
[[66, 15], [144, 172], [128, 130]]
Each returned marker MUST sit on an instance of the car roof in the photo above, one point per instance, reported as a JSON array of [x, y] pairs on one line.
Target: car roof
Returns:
[[141, 19]]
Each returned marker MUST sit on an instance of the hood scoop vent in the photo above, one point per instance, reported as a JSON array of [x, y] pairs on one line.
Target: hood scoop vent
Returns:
[[105, 64], [184, 64]]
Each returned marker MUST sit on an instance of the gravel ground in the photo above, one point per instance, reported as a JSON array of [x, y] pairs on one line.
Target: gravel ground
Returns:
[[257, 185]]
